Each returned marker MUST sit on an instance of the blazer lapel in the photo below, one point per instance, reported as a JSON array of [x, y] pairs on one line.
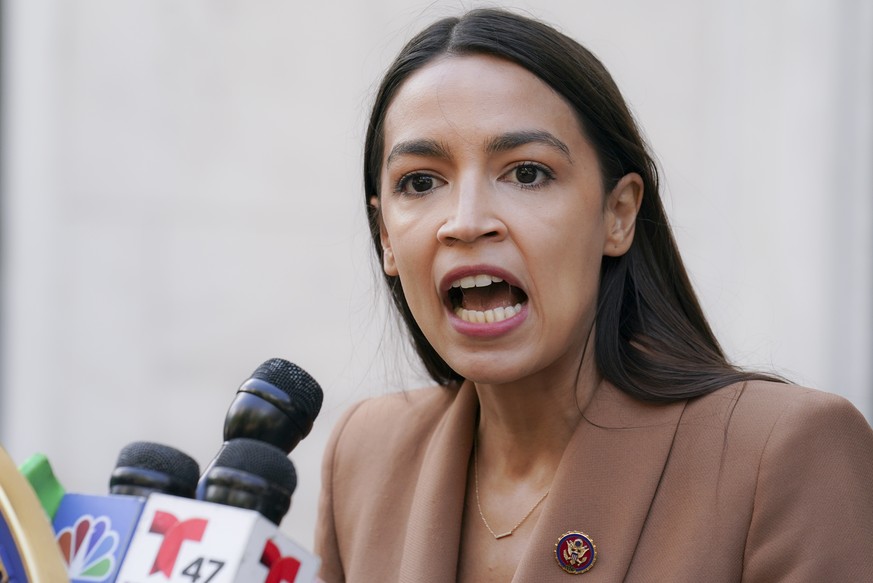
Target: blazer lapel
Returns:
[[604, 485], [433, 534]]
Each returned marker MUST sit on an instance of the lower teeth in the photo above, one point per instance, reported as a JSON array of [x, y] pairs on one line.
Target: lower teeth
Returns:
[[488, 316]]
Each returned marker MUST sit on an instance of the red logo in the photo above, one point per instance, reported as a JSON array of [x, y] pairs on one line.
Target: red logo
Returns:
[[575, 552], [282, 569], [175, 533]]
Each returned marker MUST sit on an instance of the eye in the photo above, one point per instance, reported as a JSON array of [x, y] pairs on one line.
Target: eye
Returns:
[[417, 184], [529, 175]]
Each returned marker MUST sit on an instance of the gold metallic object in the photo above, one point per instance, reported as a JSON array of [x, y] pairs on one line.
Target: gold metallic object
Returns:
[[32, 539]]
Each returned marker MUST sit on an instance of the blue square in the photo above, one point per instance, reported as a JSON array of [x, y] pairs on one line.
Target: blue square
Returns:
[[94, 533]]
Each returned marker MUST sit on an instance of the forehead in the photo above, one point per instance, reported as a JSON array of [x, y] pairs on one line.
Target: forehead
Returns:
[[477, 96]]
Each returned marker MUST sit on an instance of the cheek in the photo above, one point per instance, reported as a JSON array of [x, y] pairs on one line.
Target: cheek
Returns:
[[414, 249], [408, 249], [410, 229], [577, 230], [568, 256]]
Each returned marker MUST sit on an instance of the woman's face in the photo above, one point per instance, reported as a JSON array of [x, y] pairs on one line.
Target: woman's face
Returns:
[[494, 218]]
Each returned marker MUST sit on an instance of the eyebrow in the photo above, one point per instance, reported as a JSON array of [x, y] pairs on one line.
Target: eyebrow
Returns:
[[511, 140], [425, 148], [502, 143]]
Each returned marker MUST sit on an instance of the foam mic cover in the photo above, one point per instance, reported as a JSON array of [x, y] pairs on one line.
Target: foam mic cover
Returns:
[[253, 475], [278, 405], [144, 467]]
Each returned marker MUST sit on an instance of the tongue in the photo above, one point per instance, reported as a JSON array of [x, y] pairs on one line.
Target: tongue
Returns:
[[489, 297]]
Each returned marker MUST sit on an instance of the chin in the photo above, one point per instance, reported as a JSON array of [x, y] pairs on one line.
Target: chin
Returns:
[[489, 374]]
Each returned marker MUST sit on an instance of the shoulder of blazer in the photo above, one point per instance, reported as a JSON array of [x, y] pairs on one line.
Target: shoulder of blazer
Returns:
[[396, 414], [760, 407], [391, 428], [743, 425], [812, 482]]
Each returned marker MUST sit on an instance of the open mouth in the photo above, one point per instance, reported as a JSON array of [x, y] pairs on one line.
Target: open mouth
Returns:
[[485, 299]]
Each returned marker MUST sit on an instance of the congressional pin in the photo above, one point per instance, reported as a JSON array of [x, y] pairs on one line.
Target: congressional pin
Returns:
[[575, 552]]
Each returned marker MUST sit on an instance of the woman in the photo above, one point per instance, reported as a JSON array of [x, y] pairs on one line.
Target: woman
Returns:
[[586, 420]]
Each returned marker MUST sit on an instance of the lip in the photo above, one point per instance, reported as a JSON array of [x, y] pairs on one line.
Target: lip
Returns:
[[475, 329]]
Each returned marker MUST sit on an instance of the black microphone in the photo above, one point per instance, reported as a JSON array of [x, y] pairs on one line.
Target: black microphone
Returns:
[[253, 475], [276, 405], [144, 467]]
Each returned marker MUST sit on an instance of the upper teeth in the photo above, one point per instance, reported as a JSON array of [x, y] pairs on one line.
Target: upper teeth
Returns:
[[476, 281]]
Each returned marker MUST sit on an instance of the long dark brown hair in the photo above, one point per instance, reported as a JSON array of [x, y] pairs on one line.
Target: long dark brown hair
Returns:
[[652, 339]]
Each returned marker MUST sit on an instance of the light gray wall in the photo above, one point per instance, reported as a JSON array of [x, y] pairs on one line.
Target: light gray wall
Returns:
[[182, 201]]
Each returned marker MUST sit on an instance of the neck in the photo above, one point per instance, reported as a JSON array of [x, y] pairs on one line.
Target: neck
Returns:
[[524, 426]]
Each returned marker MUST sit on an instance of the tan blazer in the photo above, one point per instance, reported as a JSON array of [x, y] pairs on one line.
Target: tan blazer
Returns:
[[759, 482]]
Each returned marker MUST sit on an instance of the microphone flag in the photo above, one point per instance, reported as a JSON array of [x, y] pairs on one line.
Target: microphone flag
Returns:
[[94, 534], [179, 540]]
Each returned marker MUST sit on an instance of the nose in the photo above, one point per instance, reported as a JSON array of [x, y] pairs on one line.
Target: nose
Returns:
[[473, 214]]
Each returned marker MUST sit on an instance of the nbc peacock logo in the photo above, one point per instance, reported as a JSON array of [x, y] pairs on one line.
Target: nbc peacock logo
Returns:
[[88, 548]]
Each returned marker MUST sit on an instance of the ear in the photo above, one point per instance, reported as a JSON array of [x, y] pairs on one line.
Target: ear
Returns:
[[388, 263], [620, 214]]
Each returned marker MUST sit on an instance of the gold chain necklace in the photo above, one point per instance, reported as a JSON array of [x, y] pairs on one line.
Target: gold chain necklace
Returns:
[[479, 506]]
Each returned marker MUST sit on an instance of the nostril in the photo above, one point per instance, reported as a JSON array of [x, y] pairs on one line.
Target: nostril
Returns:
[[469, 226]]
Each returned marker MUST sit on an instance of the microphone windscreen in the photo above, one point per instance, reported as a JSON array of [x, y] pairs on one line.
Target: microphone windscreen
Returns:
[[260, 459], [144, 467], [294, 382], [250, 474]]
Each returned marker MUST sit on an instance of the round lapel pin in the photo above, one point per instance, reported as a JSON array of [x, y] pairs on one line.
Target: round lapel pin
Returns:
[[575, 552]]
